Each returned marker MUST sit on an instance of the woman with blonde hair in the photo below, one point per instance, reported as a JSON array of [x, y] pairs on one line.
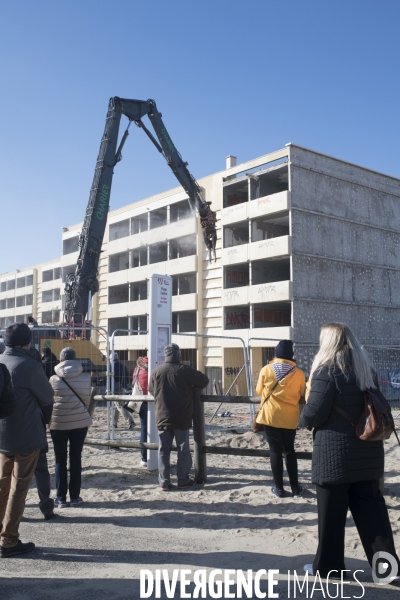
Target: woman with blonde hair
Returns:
[[345, 469], [281, 385]]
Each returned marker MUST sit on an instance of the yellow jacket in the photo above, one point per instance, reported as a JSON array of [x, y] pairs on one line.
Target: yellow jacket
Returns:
[[281, 410]]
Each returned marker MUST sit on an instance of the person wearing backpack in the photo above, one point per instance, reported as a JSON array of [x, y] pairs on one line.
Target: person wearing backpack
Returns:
[[281, 386], [345, 469]]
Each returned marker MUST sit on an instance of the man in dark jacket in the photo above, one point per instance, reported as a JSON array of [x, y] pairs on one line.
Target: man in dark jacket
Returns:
[[172, 387], [22, 434], [7, 396], [49, 361], [121, 382]]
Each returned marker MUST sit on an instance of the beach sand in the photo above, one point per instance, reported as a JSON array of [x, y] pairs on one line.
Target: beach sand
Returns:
[[128, 523]]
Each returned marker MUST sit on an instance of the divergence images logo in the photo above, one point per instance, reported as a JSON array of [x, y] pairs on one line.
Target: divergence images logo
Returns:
[[384, 568]]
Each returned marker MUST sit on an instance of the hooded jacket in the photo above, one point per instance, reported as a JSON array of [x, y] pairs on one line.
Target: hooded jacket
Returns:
[[281, 410], [68, 411], [172, 386], [143, 377], [24, 431]]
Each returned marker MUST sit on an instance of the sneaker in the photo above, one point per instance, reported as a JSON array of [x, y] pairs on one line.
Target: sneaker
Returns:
[[143, 463], [19, 548], [188, 484], [60, 503], [298, 492], [308, 569], [278, 493], [76, 501], [166, 488]]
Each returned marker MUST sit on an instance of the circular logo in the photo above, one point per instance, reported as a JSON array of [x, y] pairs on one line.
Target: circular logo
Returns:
[[384, 568]]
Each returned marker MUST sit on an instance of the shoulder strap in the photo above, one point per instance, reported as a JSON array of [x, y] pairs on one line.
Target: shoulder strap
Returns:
[[73, 391], [344, 414]]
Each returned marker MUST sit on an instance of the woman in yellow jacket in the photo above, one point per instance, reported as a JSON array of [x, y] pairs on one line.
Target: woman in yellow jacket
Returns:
[[281, 386]]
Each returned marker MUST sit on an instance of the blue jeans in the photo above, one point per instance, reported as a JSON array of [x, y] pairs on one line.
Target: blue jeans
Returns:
[[143, 429], [60, 438]]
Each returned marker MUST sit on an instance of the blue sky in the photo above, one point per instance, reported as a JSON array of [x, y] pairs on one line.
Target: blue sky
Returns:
[[229, 76]]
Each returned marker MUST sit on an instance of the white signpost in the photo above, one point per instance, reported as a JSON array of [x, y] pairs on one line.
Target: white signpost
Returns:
[[160, 327]]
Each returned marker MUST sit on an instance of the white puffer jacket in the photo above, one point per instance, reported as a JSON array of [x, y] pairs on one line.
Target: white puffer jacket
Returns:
[[68, 410]]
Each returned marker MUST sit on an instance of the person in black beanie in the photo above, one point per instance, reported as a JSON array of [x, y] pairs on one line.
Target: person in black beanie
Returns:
[[22, 435], [281, 385]]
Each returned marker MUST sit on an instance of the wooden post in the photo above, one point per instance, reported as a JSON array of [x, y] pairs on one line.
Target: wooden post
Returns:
[[199, 438]]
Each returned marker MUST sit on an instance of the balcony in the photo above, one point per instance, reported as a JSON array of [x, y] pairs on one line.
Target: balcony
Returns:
[[126, 309], [159, 234], [267, 292], [256, 208], [184, 302]]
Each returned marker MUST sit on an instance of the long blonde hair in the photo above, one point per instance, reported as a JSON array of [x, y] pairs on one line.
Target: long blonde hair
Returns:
[[340, 347]]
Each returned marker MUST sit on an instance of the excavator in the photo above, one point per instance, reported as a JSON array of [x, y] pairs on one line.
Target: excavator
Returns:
[[81, 285]]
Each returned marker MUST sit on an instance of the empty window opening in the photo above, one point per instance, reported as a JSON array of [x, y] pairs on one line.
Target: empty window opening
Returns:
[[236, 235], [119, 230], [70, 245], [139, 324], [51, 316], [51, 295], [184, 322], [268, 271], [139, 223], [268, 228], [158, 252], [271, 182], [24, 281], [184, 284], [118, 294], [181, 247], [67, 271], [158, 218], [138, 291], [51, 274], [237, 317], [180, 211], [236, 276], [139, 257], [236, 193], [118, 323], [273, 314], [118, 262]]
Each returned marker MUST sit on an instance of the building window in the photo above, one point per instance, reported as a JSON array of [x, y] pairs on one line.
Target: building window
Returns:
[[184, 322], [51, 316], [272, 314], [24, 281], [236, 193], [185, 246], [269, 271], [269, 182], [3, 286], [70, 245], [118, 294], [51, 295], [6, 321], [118, 323], [236, 235], [237, 317], [138, 291], [268, 228], [236, 276], [11, 284], [3, 304], [118, 262], [10, 302], [139, 224], [139, 323], [51, 274], [184, 284], [119, 230], [158, 252], [158, 217], [180, 211], [67, 271], [28, 299], [139, 257]]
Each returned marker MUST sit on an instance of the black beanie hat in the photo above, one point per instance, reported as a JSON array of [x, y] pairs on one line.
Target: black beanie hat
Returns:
[[17, 334], [284, 350]]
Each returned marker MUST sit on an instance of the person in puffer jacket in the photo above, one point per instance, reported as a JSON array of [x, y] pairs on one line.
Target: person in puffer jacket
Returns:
[[345, 469], [69, 423], [281, 386]]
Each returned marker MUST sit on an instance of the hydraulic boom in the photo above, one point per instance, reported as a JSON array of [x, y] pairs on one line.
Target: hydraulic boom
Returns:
[[84, 280]]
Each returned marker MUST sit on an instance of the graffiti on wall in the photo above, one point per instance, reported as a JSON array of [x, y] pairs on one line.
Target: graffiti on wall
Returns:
[[237, 320]]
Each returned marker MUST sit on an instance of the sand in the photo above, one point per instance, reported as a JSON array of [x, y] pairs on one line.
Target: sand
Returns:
[[128, 523]]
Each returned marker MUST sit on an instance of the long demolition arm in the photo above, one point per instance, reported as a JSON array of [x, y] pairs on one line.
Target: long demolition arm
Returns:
[[84, 280]]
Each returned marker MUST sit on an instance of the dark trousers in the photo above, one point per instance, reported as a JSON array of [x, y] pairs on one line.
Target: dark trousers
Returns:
[[368, 508], [143, 429], [60, 438], [281, 441], [42, 478]]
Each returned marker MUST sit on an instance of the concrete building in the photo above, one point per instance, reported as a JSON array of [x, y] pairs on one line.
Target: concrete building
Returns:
[[303, 239]]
